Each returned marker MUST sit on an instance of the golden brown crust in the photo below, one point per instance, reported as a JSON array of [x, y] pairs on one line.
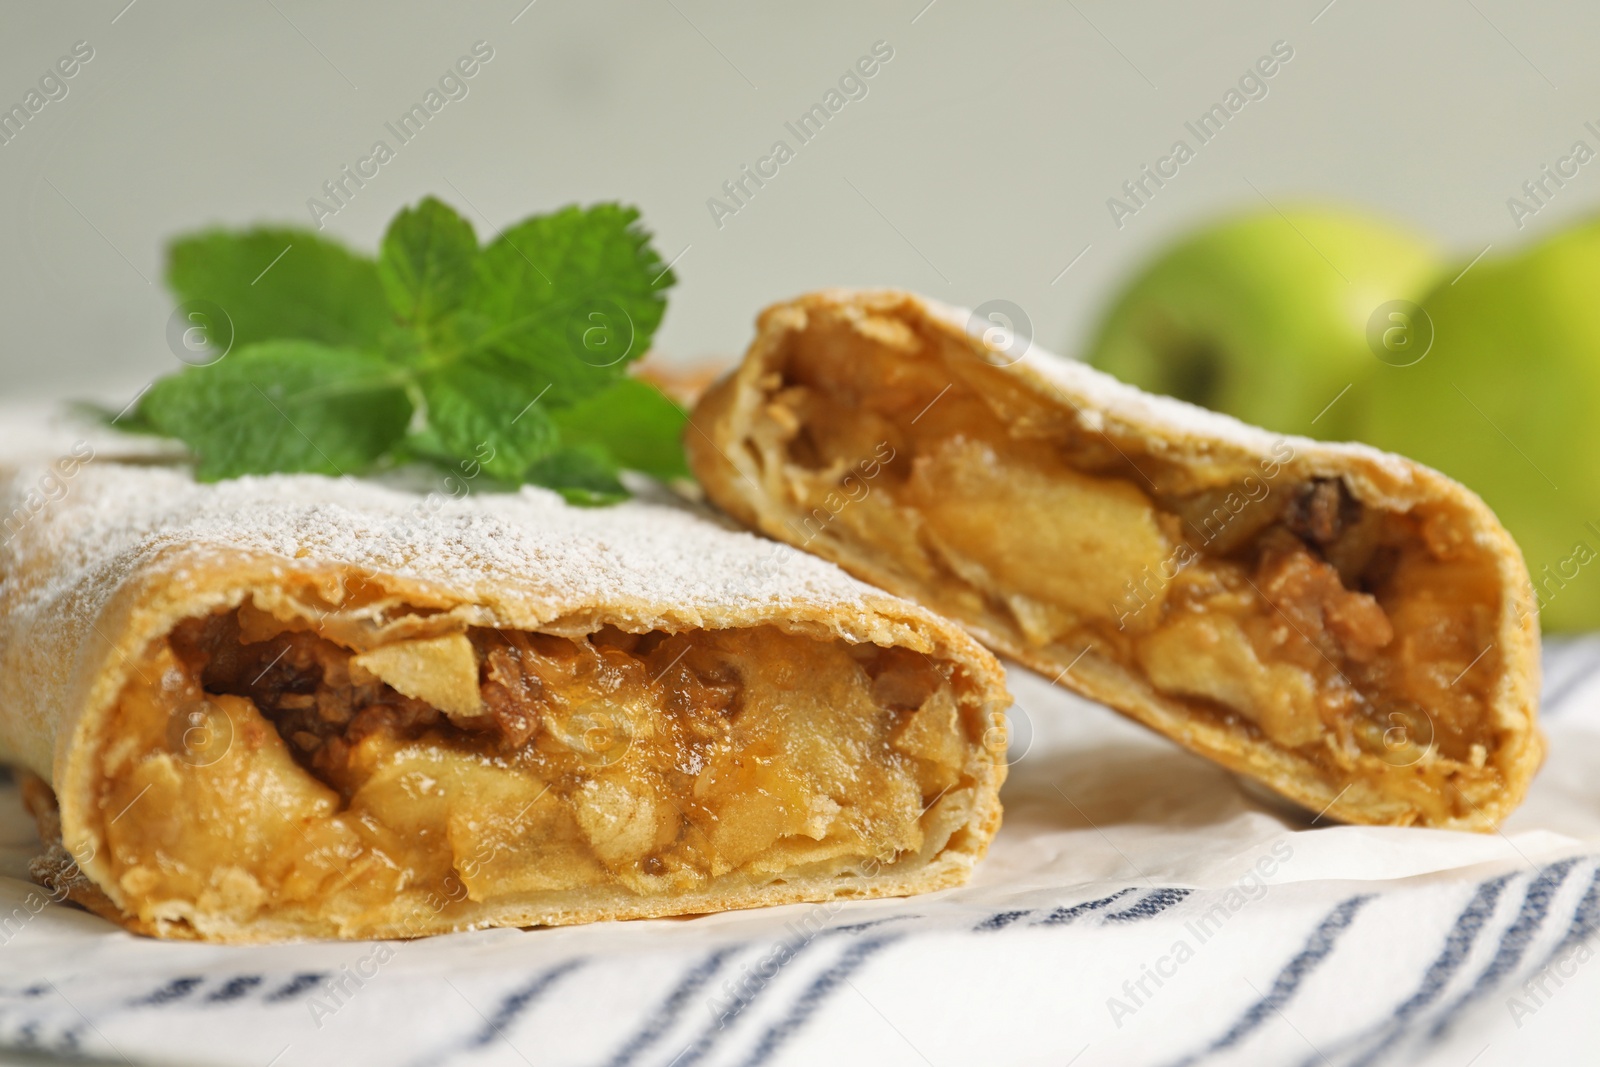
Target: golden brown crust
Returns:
[[727, 457], [56, 869]]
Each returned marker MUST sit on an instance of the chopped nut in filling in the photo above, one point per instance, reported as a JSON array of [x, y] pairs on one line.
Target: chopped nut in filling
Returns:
[[1359, 638], [277, 769]]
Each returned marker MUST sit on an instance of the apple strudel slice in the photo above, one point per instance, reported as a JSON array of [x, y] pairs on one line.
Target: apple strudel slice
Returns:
[[1350, 628], [298, 706]]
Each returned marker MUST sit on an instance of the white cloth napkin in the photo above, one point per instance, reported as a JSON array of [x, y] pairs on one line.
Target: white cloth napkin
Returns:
[[1139, 907]]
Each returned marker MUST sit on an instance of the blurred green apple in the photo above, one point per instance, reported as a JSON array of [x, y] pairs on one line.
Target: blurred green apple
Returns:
[[1508, 402], [1264, 316]]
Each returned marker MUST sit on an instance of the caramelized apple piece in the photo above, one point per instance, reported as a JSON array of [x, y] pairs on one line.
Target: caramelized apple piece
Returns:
[[963, 486]]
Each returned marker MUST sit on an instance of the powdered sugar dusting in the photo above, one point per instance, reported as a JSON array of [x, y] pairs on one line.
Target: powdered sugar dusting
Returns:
[[112, 514], [1103, 400]]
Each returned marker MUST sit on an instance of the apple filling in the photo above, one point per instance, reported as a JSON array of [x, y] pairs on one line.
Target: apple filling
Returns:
[[255, 766], [1360, 639]]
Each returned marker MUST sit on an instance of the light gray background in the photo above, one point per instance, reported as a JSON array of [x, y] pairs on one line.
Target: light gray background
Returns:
[[977, 167]]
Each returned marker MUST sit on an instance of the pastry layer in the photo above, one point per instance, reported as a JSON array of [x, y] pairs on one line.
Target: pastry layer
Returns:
[[1348, 626]]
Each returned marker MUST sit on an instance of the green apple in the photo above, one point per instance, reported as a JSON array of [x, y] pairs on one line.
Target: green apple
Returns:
[[1264, 316], [1508, 401]]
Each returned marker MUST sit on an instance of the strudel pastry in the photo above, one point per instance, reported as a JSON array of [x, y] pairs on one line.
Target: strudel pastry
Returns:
[[1352, 629], [297, 706]]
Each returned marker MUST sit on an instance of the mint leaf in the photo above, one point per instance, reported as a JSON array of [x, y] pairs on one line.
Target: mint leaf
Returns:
[[426, 263], [635, 424], [282, 283], [573, 296], [282, 406], [485, 411], [517, 351], [582, 474]]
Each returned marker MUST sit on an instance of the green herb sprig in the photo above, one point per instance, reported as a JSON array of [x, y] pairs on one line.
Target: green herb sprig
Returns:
[[510, 355]]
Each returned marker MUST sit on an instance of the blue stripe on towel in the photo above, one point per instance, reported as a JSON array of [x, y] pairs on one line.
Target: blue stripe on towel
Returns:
[[1513, 943], [1288, 981], [25, 1032], [234, 988], [1585, 919], [176, 989], [999, 921], [1064, 915], [25, 993], [671, 1008], [1458, 945], [295, 986], [512, 1005], [707, 1039], [807, 1004], [1149, 906]]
